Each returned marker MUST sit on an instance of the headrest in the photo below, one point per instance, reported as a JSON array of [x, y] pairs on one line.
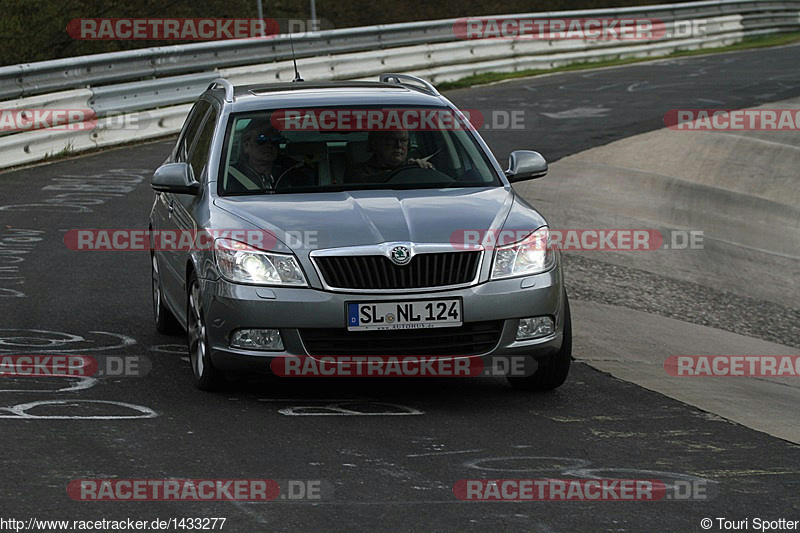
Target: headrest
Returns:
[[357, 152]]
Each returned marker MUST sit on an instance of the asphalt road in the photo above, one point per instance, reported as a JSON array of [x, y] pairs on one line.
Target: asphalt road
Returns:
[[388, 453], [570, 112]]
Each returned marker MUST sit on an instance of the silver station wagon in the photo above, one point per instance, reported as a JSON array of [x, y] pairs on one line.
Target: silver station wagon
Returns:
[[351, 219]]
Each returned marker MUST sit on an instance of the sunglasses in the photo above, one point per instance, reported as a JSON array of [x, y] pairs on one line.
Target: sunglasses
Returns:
[[263, 138]]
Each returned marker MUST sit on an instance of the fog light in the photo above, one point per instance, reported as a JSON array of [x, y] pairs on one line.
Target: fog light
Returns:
[[535, 327], [257, 339]]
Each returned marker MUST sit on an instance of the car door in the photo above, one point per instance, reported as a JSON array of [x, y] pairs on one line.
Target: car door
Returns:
[[172, 260], [186, 205]]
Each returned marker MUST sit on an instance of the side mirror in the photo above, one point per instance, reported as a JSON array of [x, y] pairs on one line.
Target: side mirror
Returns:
[[525, 165], [176, 178]]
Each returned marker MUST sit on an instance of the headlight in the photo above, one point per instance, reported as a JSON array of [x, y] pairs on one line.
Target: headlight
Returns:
[[531, 255], [241, 263]]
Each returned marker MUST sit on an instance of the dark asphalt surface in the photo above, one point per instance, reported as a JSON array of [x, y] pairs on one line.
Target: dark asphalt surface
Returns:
[[392, 472], [571, 112]]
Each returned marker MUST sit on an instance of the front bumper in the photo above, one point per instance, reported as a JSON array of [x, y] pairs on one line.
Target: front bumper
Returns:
[[228, 306]]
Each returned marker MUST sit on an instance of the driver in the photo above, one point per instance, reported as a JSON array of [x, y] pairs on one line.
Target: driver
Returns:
[[389, 151], [261, 166]]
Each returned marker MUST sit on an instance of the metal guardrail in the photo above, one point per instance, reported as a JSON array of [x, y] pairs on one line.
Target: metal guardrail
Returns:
[[159, 92], [160, 81]]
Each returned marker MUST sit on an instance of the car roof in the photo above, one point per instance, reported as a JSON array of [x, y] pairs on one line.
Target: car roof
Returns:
[[328, 94]]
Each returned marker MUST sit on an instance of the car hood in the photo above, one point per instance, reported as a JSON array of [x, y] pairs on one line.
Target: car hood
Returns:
[[352, 218]]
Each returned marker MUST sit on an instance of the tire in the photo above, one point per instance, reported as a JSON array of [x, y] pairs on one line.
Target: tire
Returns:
[[165, 321], [554, 374], [206, 376]]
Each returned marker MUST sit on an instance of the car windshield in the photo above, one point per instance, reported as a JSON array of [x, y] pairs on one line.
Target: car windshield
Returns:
[[336, 149]]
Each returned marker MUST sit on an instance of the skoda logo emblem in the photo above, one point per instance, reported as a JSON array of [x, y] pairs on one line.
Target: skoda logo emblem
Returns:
[[400, 255]]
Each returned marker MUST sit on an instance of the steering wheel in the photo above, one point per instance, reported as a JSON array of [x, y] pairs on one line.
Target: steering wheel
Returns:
[[395, 171], [288, 172], [278, 181]]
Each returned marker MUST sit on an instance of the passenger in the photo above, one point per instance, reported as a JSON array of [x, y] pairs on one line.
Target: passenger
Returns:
[[261, 167]]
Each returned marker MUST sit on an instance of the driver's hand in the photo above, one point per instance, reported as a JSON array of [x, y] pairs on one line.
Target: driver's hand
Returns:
[[421, 163]]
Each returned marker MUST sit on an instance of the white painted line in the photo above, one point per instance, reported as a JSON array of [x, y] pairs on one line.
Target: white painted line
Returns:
[[545, 463], [7, 344], [627, 473], [579, 468], [310, 399], [580, 112], [20, 411], [337, 410], [177, 349], [83, 383], [441, 453], [757, 140]]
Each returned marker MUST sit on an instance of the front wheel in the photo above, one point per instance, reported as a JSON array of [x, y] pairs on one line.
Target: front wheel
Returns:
[[206, 376], [554, 374]]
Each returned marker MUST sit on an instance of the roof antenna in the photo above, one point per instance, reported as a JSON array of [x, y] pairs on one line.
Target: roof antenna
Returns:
[[294, 60]]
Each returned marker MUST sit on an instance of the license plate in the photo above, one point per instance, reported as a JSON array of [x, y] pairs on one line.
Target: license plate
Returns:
[[404, 315]]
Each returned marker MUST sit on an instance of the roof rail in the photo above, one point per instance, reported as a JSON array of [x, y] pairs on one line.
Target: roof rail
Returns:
[[426, 86], [225, 85]]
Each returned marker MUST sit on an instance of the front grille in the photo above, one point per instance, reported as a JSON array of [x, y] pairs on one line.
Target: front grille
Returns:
[[379, 272], [472, 338]]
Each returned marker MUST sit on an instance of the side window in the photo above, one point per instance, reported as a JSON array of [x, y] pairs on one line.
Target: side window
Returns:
[[198, 156], [190, 130]]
